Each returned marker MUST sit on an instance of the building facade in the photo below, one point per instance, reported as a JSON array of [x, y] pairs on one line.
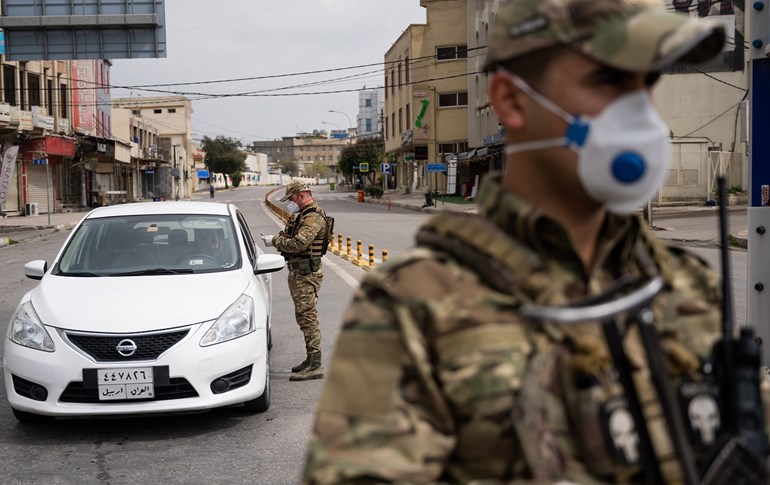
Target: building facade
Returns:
[[41, 171], [169, 171], [426, 98], [371, 105]]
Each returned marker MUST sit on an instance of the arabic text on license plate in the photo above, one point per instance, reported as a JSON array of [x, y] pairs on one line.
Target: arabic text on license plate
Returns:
[[125, 383]]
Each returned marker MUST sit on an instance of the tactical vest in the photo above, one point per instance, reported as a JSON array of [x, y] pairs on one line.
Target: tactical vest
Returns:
[[316, 247], [603, 430]]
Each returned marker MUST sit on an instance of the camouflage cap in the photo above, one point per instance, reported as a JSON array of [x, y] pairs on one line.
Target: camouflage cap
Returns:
[[633, 35], [295, 187]]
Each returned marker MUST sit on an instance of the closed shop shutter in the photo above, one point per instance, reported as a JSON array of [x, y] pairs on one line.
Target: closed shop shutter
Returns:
[[36, 187]]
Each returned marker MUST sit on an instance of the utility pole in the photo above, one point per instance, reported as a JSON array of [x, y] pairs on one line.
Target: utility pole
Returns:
[[758, 24]]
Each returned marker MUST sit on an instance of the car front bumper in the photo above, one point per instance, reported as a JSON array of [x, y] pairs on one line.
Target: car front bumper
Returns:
[[66, 367]]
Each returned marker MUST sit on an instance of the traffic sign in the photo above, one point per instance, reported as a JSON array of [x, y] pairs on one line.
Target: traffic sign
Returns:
[[39, 161], [386, 168], [436, 167], [363, 167]]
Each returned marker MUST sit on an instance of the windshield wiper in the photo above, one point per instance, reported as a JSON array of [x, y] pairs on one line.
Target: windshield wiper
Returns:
[[84, 274], [154, 271]]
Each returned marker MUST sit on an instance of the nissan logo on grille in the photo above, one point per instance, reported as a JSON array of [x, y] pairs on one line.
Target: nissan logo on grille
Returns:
[[126, 347]]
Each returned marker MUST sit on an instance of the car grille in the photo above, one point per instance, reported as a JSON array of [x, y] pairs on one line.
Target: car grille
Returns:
[[177, 388], [103, 348]]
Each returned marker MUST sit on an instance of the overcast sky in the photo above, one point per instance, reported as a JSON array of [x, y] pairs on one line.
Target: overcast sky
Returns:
[[230, 39]]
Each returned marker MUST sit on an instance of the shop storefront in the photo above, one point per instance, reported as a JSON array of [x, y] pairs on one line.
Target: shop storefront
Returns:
[[44, 180]]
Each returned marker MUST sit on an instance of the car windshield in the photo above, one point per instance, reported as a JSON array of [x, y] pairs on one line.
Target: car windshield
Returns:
[[150, 245]]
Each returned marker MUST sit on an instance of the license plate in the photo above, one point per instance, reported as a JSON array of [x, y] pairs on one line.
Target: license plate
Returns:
[[125, 383]]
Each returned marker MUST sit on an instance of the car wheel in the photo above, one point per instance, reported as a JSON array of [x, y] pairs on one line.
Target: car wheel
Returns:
[[25, 417], [269, 336], [262, 403]]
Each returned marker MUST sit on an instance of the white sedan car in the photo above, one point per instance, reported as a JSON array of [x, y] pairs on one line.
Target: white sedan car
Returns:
[[147, 308]]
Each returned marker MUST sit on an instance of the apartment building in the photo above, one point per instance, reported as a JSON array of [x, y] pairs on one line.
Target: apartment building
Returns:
[[36, 137], [426, 97], [168, 169], [371, 105], [306, 149]]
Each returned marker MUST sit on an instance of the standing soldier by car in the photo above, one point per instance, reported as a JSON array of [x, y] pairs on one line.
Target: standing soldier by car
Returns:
[[302, 243], [439, 376]]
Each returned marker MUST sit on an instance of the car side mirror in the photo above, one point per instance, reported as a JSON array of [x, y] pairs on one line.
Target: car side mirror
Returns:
[[36, 269], [269, 263]]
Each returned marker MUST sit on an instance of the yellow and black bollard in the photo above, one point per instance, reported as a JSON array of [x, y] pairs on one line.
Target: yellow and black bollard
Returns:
[[371, 255], [359, 259], [349, 256], [384, 255]]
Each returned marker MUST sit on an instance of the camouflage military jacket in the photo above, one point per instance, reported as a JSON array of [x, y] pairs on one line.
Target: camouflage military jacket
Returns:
[[297, 241], [437, 379]]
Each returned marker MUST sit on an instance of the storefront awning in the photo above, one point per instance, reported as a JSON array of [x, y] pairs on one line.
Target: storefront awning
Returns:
[[49, 145], [482, 152]]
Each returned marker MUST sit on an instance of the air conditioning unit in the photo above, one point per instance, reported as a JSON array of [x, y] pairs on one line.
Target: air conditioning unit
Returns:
[[30, 209]]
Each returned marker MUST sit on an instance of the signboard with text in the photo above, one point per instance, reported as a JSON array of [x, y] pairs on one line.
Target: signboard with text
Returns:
[[436, 167]]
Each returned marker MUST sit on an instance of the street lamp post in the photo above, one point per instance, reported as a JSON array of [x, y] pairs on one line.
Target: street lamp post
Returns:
[[350, 122], [333, 124]]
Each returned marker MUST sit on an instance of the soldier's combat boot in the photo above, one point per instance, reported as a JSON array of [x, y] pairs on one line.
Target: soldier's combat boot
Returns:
[[313, 370], [301, 365]]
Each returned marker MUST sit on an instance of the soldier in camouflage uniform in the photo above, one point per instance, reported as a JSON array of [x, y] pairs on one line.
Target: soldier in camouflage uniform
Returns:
[[437, 377], [301, 243]]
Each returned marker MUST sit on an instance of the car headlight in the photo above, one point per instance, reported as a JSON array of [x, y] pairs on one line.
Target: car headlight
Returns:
[[236, 321], [27, 330]]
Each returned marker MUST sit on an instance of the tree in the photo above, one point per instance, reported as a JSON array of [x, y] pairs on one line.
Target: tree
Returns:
[[320, 169], [289, 167], [370, 151], [223, 155]]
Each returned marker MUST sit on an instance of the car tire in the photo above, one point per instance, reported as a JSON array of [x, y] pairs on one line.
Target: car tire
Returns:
[[262, 403], [26, 417], [269, 336]]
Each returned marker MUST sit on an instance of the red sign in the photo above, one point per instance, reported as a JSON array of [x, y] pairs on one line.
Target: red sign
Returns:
[[50, 145]]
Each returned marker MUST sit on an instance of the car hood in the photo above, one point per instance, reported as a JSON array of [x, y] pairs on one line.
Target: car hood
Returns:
[[135, 303]]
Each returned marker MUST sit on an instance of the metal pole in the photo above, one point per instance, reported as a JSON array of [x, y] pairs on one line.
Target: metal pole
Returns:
[[758, 311], [47, 195]]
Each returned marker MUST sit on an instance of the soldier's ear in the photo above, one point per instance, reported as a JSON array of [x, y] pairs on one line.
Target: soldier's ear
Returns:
[[508, 101]]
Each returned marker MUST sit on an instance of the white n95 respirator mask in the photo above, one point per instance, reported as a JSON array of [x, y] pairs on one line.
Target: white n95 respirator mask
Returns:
[[292, 207], [623, 153]]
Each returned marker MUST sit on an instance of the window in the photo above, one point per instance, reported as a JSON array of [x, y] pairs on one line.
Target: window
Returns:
[[50, 91], [63, 100], [172, 110], [408, 118], [392, 81], [386, 85], [448, 100], [453, 147], [33, 81], [23, 95], [451, 52], [406, 69], [9, 84], [157, 111], [400, 121], [368, 123], [393, 123], [135, 112], [386, 127], [400, 83], [368, 103]]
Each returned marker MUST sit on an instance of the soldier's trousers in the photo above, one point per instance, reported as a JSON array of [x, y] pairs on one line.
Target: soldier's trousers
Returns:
[[304, 292]]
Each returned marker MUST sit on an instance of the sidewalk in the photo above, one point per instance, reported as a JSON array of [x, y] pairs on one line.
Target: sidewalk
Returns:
[[20, 228]]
